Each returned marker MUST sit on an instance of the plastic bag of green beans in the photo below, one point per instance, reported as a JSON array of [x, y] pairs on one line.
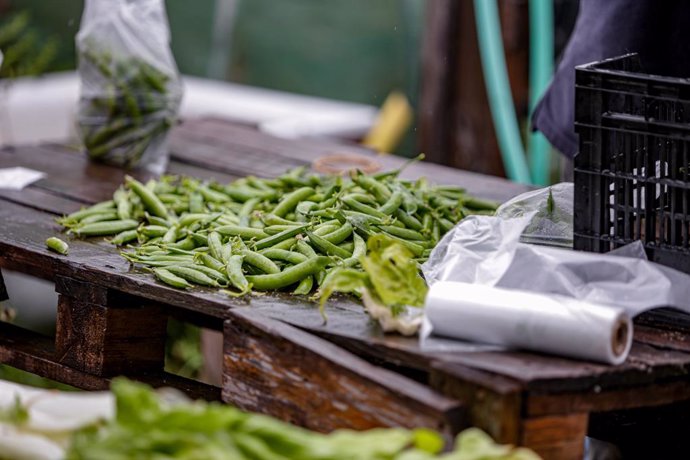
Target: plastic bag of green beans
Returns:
[[130, 85]]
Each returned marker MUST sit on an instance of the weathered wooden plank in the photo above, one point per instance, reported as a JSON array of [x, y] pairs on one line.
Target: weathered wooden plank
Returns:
[[556, 437], [276, 369], [645, 365], [106, 333], [35, 353], [663, 338], [598, 400], [73, 181], [237, 143], [493, 402]]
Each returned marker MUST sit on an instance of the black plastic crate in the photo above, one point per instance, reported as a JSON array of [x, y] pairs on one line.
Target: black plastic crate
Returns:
[[633, 168]]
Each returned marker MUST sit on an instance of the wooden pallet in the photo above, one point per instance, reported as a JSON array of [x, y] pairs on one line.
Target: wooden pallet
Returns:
[[280, 358]]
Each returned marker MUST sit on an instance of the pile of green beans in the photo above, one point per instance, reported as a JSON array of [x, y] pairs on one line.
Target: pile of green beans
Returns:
[[269, 234], [134, 106]]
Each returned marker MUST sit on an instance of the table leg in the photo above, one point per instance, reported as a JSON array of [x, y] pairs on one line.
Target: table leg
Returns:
[[103, 332], [558, 437]]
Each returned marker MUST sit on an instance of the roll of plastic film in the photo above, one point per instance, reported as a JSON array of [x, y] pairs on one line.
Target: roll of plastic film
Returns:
[[517, 319]]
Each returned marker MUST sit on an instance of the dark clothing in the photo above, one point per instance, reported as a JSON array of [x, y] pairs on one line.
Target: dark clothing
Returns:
[[658, 30]]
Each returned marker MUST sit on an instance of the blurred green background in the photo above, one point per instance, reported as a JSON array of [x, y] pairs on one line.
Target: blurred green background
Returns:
[[355, 50]]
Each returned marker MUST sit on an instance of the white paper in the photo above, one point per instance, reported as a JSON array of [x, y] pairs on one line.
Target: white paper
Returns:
[[525, 320], [18, 177]]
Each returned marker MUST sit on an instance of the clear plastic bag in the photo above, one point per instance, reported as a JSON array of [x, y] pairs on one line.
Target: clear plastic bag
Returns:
[[130, 85], [552, 224]]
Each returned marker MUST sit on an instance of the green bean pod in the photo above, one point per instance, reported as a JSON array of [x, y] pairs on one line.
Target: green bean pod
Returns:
[[278, 237], [291, 200], [243, 232], [106, 228], [170, 279], [260, 261], [193, 275], [148, 198], [57, 245], [233, 268], [327, 247], [289, 276]]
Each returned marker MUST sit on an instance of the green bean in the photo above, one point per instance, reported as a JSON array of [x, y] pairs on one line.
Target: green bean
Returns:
[[290, 201], [284, 255], [233, 268], [478, 204], [349, 246], [278, 237], [57, 245], [326, 246], [445, 225], [124, 237], [359, 250], [289, 276], [405, 233], [191, 218], [427, 222], [409, 221], [226, 252], [275, 229], [379, 190], [325, 230], [243, 232], [247, 209], [210, 261], [215, 246], [152, 231], [171, 235], [170, 279], [187, 243], [339, 235], [124, 206], [363, 208], [260, 261], [100, 217], [393, 203], [155, 220], [148, 198], [212, 273], [106, 228], [82, 214], [192, 274], [362, 198], [213, 196], [305, 286], [303, 248], [196, 203]]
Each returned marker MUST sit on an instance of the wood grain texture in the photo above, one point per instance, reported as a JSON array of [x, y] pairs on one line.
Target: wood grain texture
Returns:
[[274, 368], [97, 334], [556, 437], [35, 353], [493, 402]]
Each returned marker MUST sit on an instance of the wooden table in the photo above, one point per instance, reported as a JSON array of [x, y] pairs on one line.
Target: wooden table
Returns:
[[279, 357]]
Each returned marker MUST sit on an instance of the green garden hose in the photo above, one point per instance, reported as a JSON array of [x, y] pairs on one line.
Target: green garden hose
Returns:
[[541, 69], [498, 90]]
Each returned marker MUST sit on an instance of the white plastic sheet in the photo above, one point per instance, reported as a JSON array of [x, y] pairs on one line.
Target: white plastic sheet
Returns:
[[487, 251]]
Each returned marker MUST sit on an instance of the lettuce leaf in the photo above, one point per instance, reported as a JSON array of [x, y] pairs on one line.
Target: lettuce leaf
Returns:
[[148, 427]]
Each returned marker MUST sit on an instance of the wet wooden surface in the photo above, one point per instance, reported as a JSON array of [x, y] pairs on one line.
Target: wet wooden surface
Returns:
[[113, 319]]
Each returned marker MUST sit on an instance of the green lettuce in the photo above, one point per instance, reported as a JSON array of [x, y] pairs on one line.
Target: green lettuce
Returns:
[[391, 276], [147, 427]]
